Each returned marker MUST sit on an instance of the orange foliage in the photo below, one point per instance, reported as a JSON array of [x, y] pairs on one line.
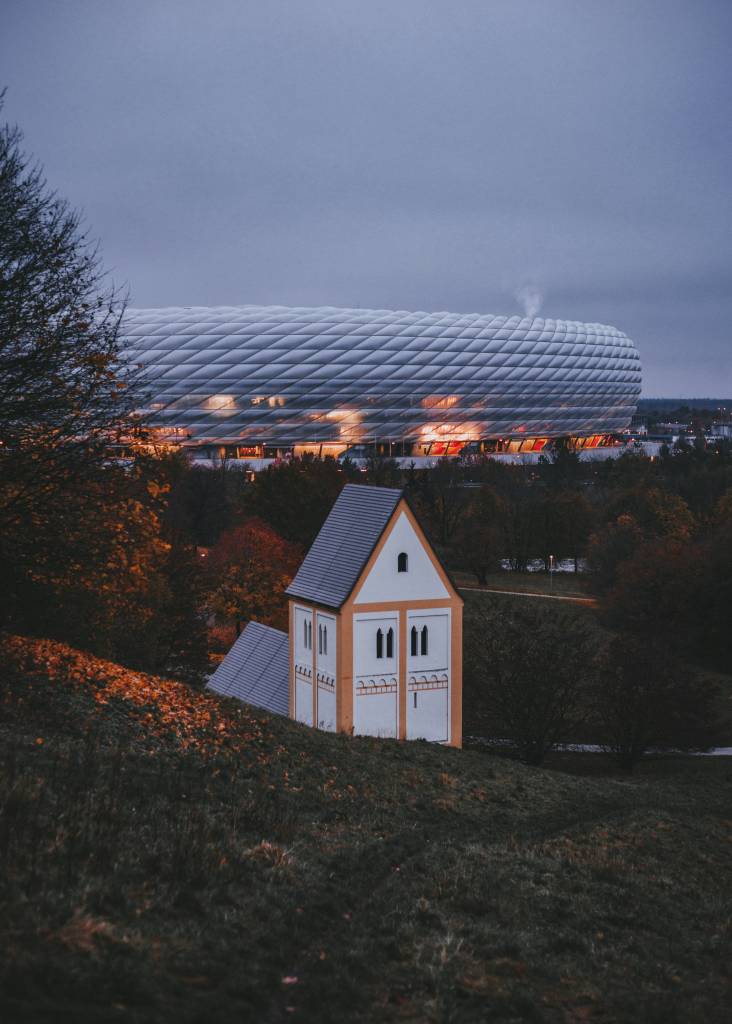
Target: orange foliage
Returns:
[[166, 708], [248, 570]]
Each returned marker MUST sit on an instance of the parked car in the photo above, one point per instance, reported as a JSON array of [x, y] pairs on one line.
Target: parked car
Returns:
[[356, 453]]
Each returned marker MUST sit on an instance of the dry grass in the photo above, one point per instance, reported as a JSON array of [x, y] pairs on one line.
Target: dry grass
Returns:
[[169, 856]]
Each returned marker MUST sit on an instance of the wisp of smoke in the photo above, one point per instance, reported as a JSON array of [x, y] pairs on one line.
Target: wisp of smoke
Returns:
[[531, 297]]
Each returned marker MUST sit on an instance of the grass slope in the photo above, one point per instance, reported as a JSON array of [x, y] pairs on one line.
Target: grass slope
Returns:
[[170, 856]]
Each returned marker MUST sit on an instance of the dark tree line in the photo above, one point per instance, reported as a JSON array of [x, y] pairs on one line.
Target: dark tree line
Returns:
[[537, 678]]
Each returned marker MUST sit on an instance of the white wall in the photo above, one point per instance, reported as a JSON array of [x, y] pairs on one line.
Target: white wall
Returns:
[[428, 713], [303, 700], [326, 708], [324, 642], [437, 621], [325, 627], [375, 713], [428, 676], [384, 583], [365, 627], [375, 696], [303, 654], [303, 667]]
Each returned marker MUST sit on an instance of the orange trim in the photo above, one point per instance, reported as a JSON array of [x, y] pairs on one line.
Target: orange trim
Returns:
[[344, 682], [402, 677], [407, 606], [291, 673], [456, 678], [441, 571], [313, 655], [338, 694]]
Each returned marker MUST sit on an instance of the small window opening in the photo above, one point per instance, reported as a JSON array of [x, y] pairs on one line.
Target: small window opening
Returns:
[[379, 644], [402, 561], [310, 636], [305, 633], [320, 639], [424, 639], [390, 644], [325, 639], [413, 642]]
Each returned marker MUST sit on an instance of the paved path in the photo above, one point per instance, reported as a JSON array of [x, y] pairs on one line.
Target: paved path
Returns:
[[593, 748], [529, 593]]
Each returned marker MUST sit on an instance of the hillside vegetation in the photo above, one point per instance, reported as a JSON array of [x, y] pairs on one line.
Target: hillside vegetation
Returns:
[[172, 856]]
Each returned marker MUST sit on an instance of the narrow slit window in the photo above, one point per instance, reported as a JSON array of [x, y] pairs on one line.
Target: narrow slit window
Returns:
[[402, 561], [325, 639], [379, 644], [305, 633], [413, 642], [390, 644], [310, 636], [424, 639], [320, 639]]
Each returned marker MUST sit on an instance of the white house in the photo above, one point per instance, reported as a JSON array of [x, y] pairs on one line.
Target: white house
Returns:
[[375, 640]]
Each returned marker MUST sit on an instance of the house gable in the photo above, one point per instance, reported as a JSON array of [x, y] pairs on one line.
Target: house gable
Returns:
[[424, 578], [334, 564]]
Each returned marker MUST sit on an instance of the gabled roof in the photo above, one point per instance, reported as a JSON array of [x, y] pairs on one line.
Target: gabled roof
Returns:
[[339, 553], [256, 669]]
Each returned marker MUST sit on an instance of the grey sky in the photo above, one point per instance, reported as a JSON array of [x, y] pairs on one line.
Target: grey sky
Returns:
[[407, 154]]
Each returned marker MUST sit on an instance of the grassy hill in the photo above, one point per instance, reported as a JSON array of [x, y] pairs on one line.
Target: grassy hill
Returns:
[[171, 856]]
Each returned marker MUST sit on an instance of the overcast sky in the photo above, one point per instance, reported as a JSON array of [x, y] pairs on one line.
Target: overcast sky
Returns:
[[463, 155]]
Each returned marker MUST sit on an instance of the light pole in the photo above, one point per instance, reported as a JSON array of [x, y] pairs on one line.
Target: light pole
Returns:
[[552, 566]]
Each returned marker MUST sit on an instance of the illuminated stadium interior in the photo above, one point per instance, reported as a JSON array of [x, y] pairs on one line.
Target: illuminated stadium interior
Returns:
[[253, 381]]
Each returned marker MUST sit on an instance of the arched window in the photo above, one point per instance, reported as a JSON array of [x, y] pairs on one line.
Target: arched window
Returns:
[[390, 643], [424, 639], [320, 639], [379, 644], [325, 639], [305, 633], [402, 561], [310, 636], [413, 642]]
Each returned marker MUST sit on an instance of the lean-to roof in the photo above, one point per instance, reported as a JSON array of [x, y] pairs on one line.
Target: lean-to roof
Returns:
[[256, 669]]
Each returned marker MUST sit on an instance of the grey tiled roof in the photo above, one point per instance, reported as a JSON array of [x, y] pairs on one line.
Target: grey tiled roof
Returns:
[[333, 564], [256, 669]]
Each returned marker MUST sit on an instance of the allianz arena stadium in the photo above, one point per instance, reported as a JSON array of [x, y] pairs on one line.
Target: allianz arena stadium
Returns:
[[259, 380]]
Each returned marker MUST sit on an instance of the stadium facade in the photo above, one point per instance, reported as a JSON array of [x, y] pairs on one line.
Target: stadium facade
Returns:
[[256, 380]]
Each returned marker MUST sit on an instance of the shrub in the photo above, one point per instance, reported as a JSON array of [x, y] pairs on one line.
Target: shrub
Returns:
[[646, 699], [528, 672]]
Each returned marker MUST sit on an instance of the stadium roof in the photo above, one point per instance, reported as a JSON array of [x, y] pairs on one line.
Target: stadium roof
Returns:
[[285, 376]]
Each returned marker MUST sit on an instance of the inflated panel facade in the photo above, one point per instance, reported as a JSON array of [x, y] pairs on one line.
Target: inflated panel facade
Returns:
[[285, 376]]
